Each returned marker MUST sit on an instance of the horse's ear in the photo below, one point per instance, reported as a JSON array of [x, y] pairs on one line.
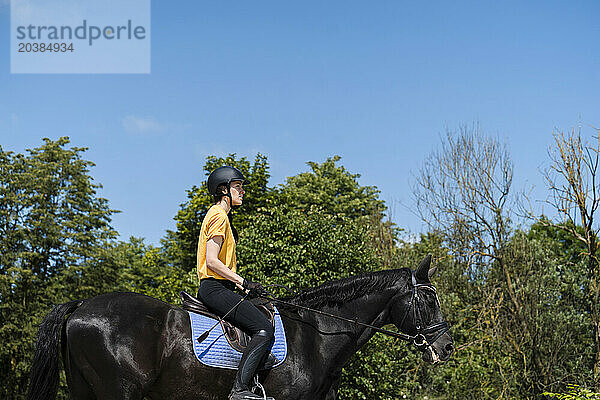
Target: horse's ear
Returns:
[[423, 269], [432, 272]]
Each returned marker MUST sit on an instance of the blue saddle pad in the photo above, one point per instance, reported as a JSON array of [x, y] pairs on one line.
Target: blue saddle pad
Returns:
[[215, 351]]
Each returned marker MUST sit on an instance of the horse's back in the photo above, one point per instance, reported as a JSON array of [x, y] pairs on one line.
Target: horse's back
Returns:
[[118, 317]]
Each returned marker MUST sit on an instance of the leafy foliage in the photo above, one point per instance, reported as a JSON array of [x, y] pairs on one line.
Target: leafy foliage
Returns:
[[334, 189], [51, 225], [295, 248], [56, 244], [574, 393]]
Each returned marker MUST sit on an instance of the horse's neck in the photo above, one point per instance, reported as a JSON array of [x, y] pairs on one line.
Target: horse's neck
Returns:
[[372, 309]]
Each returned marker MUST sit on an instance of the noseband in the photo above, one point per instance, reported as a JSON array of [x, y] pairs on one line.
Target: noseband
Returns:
[[420, 339]]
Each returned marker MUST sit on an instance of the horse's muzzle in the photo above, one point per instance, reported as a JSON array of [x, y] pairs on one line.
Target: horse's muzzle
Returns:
[[440, 350]]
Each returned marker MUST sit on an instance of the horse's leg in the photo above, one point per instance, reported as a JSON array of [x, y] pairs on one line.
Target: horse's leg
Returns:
[[121, 391], [94, 382], [78, 387], [335, 385], [92, 386]]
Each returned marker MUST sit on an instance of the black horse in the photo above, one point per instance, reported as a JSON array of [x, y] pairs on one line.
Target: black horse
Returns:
[[129, 346]]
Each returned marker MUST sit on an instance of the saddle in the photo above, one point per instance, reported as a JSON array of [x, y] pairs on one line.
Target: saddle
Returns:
[[237, 338]]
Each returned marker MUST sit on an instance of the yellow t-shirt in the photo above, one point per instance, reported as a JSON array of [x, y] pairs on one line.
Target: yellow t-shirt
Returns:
[[216, 223]]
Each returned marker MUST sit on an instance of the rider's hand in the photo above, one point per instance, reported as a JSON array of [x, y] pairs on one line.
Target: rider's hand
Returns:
[[254, 288]]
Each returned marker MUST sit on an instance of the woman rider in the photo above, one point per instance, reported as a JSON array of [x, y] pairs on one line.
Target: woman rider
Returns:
[[218, 277]]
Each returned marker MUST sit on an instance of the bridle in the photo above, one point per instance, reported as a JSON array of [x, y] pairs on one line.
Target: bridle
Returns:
[[419, 339]]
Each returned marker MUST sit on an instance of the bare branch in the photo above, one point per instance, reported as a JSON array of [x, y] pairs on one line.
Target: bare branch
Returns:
[[463, 190], [575, 195]]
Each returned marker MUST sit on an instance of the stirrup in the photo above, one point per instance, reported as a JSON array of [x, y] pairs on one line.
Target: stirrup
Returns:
[[244, 395], [257, 385]]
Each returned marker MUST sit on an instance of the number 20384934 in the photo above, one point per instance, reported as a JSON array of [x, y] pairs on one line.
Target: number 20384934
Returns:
[[45, 47]]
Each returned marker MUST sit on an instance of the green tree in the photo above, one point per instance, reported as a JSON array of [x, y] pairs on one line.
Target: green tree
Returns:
[[575, 195], [551, 346], [51, 220], [303, 248], [334, 189], [337, 192]]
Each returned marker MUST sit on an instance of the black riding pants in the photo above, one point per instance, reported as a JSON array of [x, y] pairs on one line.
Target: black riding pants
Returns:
[[219, 297]]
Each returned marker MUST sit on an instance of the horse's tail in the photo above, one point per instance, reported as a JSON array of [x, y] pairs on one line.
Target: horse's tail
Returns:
[[43, 381]]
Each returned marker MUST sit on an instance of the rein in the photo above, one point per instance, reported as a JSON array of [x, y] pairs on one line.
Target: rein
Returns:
[[400, 335], [419, 339]]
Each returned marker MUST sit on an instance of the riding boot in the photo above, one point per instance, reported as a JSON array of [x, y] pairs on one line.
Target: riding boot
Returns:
[[251, 359], [269, 360]]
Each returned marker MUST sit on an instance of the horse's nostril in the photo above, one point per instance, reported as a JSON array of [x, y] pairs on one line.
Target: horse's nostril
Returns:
[[449, 348]]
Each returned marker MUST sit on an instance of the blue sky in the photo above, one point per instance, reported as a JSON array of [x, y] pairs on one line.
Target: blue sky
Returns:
[[377, 83]]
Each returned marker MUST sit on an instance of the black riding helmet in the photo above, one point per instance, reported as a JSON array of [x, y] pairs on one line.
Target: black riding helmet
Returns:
[[223, 176]]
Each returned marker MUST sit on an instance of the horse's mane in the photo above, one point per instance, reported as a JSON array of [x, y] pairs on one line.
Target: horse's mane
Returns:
[[343, 290]]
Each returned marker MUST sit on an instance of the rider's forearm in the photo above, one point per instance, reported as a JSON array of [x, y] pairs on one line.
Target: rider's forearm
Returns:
[[218, 267]]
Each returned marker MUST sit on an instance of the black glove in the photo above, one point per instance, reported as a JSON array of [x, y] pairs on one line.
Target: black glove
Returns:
[[254, 288]]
